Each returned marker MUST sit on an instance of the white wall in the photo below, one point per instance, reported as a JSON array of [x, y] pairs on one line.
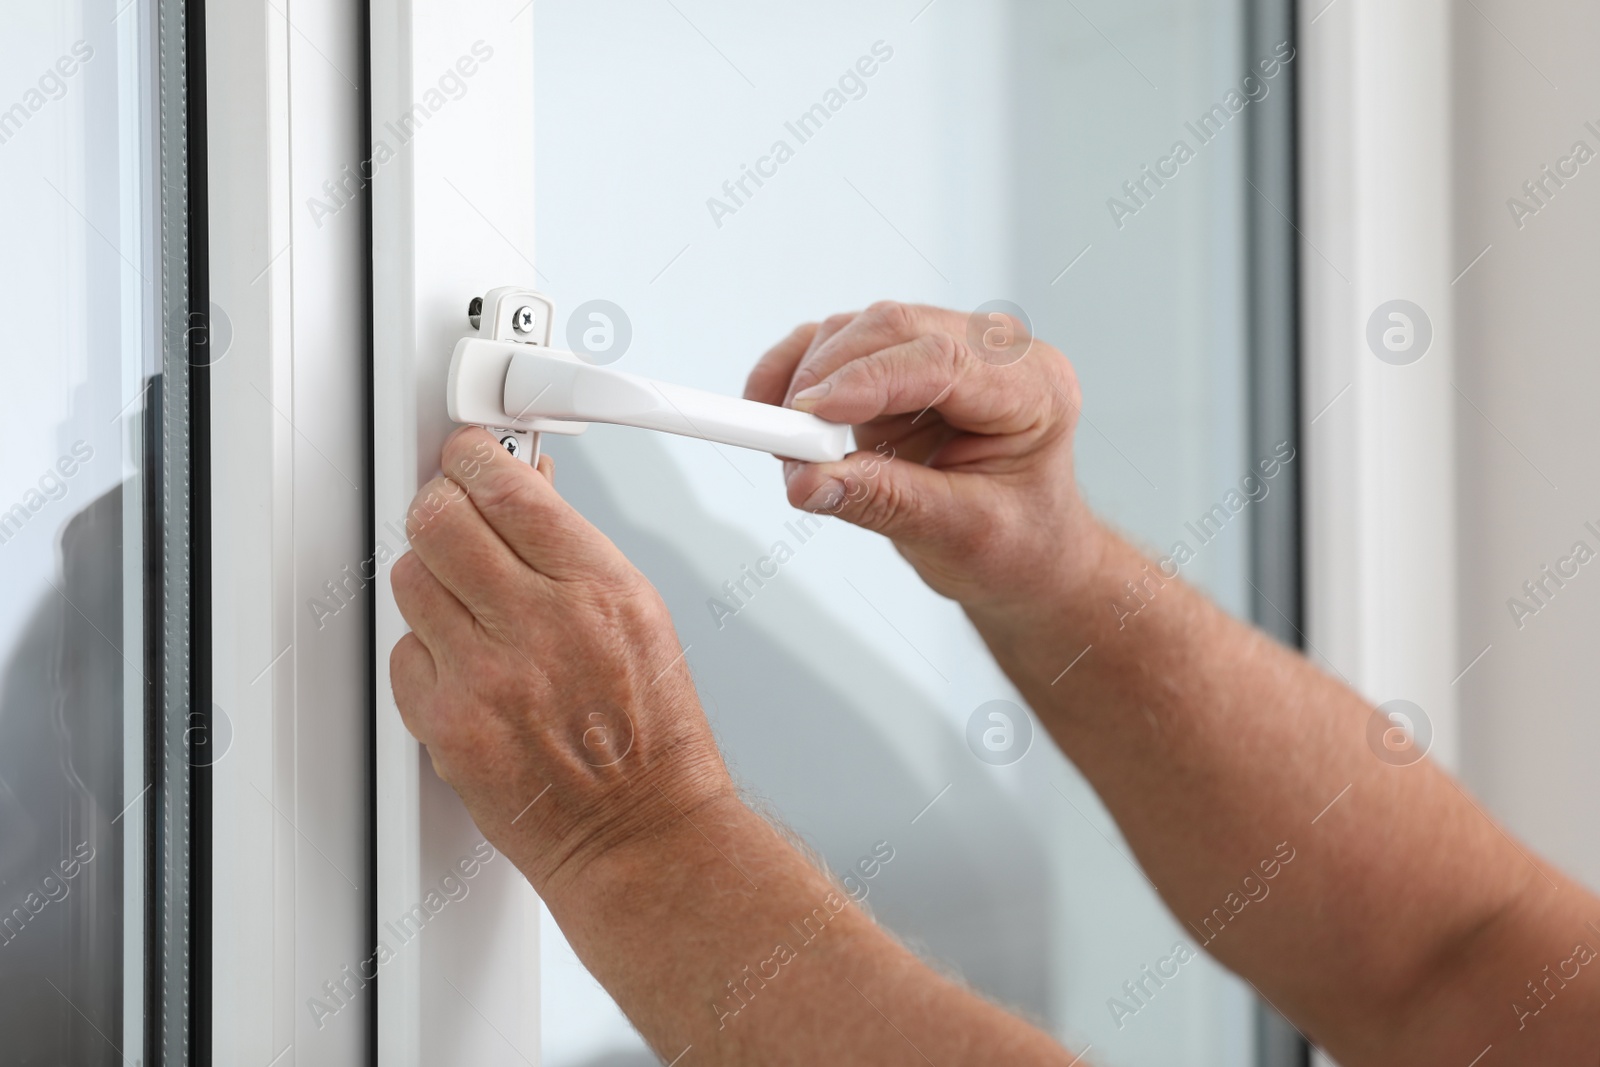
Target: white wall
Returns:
[[1525, 86]]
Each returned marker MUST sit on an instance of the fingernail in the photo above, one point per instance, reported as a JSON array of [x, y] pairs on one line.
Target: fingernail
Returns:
[[806, 399], [826, 498], [790, 469]]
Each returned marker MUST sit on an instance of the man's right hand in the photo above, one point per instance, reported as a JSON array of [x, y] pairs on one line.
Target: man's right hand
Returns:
[[975, 419], [1211, 746]]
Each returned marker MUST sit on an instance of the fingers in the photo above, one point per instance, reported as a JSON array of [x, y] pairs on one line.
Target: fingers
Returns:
[[829, 328], [430, 609], [769, 379], [907, 502], [461, 549], [939, 372], [881, 326], [412, 677], [915, 438], [522, 509]]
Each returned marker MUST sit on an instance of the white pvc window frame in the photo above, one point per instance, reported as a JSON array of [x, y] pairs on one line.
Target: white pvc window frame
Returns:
[[292, 796], [453, 217], [1375, 194], [331, 827]]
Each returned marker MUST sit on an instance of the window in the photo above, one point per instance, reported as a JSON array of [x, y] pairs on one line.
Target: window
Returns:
[[104, 727], [718, 178], [193, 646]]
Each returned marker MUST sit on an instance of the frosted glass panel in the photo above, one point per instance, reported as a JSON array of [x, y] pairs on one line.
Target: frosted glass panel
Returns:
[[723, 172]]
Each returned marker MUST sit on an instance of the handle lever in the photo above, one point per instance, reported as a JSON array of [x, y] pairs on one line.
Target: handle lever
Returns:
[[523, 387]]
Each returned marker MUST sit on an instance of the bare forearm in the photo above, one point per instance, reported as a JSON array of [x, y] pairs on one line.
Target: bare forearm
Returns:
[[720, 935], [1373, 903], [546, 680], [1345, 887]]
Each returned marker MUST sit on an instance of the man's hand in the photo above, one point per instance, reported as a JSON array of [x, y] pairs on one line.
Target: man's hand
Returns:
[[542, 671], [545, 679], [1409, 925], [979, 494]]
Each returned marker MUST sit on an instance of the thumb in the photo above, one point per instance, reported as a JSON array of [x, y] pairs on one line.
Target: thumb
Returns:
[[904, 501]]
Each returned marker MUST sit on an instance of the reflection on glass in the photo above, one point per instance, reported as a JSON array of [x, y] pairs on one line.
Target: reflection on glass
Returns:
[[76, 323], [723, 181]]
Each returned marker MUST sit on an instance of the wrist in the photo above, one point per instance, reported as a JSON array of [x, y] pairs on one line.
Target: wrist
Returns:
[[1038, 637], [665, 827], [1057, 581], [593, 805]]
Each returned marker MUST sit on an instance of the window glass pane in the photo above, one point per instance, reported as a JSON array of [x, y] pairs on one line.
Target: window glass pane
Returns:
[[78, 292], [724, 173]]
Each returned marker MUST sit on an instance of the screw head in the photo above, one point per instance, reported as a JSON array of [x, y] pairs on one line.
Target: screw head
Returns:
[[509, 443], [522, 320]]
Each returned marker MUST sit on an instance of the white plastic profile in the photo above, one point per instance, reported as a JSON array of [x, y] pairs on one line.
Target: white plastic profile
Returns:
[[517, 386]]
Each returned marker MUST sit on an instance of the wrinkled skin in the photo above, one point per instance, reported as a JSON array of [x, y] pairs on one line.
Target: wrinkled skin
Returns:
[[542, 671]]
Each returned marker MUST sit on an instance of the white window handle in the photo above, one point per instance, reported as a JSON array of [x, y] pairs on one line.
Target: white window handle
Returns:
[[508, 379]]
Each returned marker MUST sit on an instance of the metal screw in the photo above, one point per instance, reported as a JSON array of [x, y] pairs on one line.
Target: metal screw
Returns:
[[522, 320], [475, 312], [509, 443]]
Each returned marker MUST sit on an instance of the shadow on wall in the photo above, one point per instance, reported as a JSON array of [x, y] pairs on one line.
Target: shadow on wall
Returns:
[[60, 786], [840, 746]]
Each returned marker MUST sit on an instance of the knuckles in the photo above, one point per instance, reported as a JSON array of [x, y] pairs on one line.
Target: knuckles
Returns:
[[476, 465], [1066, 376], [770, 377], [406, 577], [512, 698], [806, 373], [626, 608], [834, 323], [806, 481], [511, 493], [893, 317], [881, 508], [603, 650], [948, 352], [802, 334], [468, 451]]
